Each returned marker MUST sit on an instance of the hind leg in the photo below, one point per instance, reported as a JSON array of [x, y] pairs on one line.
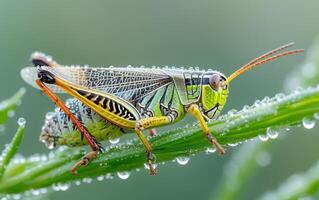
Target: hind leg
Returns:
[[88, 137]]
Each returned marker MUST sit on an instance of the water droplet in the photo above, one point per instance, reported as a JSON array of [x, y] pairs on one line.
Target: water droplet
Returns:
[[123, 175], [182, 160], [232, 144], [245, 108], [87, 180], [100, 178], [272, 133], [316, 115], [16, 196], [210, 150], [77, 183], [114, 140], [146, 166], [49, 115], [21, 122], [263, 137], [50, 145], [109, 176], [308, 122], [35, 192], [64, 187], [280, 96]]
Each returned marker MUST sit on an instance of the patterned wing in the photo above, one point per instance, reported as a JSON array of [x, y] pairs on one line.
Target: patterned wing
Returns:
[[128, 83]]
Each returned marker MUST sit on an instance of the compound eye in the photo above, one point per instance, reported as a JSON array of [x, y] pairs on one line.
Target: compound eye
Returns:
[[214, 81]]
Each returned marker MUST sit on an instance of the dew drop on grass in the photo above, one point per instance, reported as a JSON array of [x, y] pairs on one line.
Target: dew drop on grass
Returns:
[[316, 115], [114, 140], [182, 160], [64, 186], [308, 122], [232, 144], [100, 178], [123, 175], [21, 122], [77, 182], [272, 133], [210, 150], [263, 137], [16, 196], [87, 180]]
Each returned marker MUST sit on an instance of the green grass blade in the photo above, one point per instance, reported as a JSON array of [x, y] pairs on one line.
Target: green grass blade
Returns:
[[9, 105], [234, 127], [10, 150], [297, 186]]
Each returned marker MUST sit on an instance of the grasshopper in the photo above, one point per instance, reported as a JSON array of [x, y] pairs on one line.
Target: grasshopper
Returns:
[[135, 99]]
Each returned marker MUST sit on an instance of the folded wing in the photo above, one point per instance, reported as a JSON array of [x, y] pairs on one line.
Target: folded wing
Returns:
[[129, 83]]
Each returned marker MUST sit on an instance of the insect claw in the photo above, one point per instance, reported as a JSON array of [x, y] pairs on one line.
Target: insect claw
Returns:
[[218, 146], [152, 168], [83, 162]]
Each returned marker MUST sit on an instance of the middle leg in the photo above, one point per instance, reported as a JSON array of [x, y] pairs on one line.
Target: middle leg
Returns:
[[148, 123]]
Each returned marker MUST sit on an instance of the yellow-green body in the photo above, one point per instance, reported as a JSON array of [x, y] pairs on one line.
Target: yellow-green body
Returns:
[[175, 90]]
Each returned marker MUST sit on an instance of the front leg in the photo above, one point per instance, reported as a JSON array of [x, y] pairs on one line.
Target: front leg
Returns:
[[194, 110]]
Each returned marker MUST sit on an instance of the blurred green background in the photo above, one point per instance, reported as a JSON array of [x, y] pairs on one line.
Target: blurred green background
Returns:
[[216, 34]]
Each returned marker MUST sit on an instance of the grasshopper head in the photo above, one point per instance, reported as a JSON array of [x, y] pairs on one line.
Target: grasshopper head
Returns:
[[215, 85], [214, 93]]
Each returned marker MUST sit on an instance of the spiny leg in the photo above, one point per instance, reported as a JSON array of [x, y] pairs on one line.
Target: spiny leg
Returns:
[[194, 110], [148, 123], [88, 137]]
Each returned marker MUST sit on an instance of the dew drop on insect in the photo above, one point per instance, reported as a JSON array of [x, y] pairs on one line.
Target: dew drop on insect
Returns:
[[308, 122], [272, 133], [21, 122], [146, 166], [316, 116], [123, 175], [263, 137], [50, 145], [114, 140], [49, 115], [210, 150], [182, 160]]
